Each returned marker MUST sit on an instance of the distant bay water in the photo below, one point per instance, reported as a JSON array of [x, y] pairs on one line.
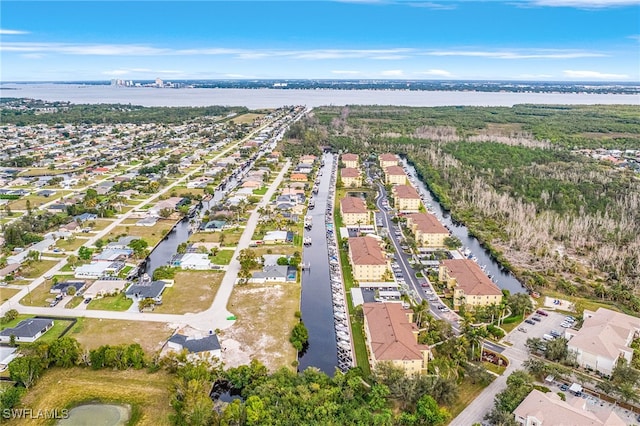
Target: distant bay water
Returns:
[[273, 98]]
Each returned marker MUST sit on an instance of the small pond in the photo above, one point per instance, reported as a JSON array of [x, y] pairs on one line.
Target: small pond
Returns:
[[97, 415]]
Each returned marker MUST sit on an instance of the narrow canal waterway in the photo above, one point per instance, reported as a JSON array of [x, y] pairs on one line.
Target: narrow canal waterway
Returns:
[[503, 277], [316, 301]]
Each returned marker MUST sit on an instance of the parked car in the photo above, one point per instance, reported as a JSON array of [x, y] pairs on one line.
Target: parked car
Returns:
[[566, 325], [564, 387], [555, 333], [536, 318], [87, 300], [522, 329], [541, 312], [528, 321]]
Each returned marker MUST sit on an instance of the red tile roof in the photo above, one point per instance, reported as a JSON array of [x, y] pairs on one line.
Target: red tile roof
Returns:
[[366, 251], [353, 205]]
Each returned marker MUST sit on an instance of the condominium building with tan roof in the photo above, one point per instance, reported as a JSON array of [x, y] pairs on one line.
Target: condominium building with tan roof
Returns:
[[368, 261], [354, 211], [392, 336], [427, 230], [470, 285]]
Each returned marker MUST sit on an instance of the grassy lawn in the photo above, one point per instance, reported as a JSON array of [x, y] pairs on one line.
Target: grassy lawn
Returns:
[[15, 322], [260, 191], [148, 394], [8, 293], [39, 296], [511, 322], [59, 325], [35, 200], [99, 224], [265, 318], [35, 269], [466, 393], [192, 291], [586, 303], [111, 303], [493, 368], [223, 257], [284, 249], [151, 234], [246, 118], [74, 302], [95, 332], [231, 236]]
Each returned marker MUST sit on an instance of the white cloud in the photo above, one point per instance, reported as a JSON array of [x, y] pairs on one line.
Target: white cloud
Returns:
[[635, 37], [345, 72], [530, 54], [585, 4], [436, 73], [432, 5], [593, 74], [33, 55], [83, 49], [4, 31], [116, 72], [392, 73]]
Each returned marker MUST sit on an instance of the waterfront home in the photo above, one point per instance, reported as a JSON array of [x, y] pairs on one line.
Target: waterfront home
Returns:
[[427, 230], [197, 261], [604, 338], [368, 260], [392, 336], [274, 274], [101, 288], [470, 285]]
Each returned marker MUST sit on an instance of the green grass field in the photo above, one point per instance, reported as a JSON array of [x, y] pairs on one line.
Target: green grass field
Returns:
[[111, 303]]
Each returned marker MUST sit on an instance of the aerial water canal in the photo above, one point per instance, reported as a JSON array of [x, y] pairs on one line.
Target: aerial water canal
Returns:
[[316, 300], [503, 278]]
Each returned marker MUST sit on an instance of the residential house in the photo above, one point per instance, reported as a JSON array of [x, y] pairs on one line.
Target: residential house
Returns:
[[101, 288], [197, 261], [171, 203], [63, 287], [308, 159], [387, 160], [548, 409], [350, 178], [395, 175], [274, 274], [470, 285], [122, 243], [146, 289], [406, 198], [98, 269], [392, 336], [112, 255], [197, 347], [350, 160], [353, 211], [278, 237], [27, 331], [604, 338], [299, 177], [368, 260], [427, 230]]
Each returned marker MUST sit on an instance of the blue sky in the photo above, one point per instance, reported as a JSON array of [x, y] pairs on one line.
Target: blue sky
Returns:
[[573, 40]]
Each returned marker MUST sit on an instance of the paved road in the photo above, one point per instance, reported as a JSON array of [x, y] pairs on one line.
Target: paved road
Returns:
[[212, 318]]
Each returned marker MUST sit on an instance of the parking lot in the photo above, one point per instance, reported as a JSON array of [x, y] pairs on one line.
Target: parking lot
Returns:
[[538, 329], [550, 322]]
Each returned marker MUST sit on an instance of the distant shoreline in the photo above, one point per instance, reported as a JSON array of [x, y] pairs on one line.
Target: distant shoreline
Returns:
[[256, 98]]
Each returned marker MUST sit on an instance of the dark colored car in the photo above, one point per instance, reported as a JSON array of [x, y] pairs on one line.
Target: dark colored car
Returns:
[[543, 313], [528, 321]]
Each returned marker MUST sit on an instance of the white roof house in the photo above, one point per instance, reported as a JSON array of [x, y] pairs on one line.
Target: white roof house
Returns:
[[604, 337], [199, 261], [542, 409]]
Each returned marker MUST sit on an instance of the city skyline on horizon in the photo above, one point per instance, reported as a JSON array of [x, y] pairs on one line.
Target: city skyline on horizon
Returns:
[[532, 40]]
